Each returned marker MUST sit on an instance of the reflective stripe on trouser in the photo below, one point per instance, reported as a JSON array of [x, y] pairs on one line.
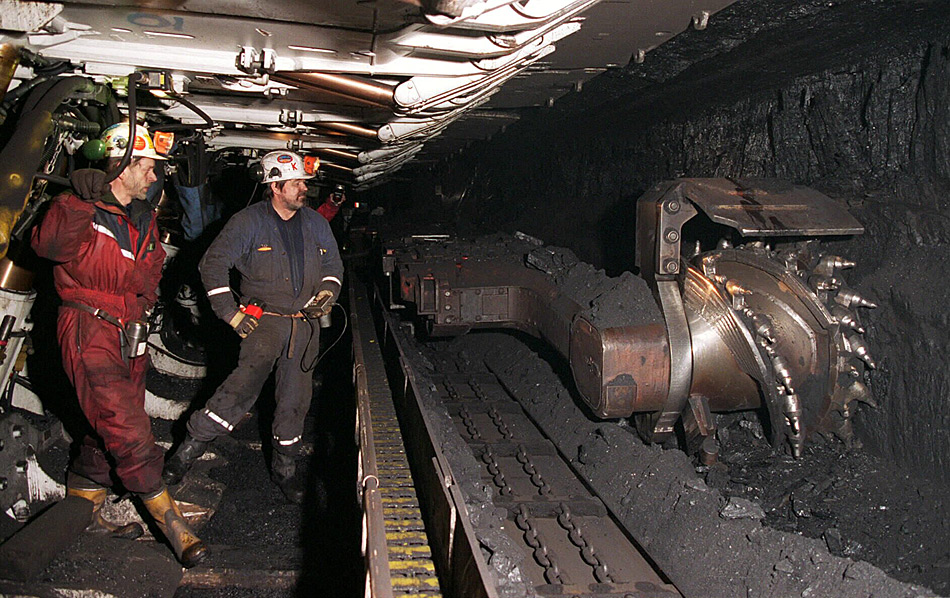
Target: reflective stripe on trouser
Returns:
[[111, 395], [260, 351]]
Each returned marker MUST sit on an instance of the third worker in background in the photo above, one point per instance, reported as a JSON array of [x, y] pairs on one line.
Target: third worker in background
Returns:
[[290, 274]]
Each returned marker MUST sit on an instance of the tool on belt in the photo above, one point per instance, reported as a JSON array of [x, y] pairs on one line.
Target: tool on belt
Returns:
[[133, 335]]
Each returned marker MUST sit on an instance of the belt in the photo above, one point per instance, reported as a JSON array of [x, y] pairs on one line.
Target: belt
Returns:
[[105, 317], [293, 329], [99, 313], [296, 315]]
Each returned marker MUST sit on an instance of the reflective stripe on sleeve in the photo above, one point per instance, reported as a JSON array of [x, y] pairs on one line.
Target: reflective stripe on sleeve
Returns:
[[288, 442], [218, 291], [217, 418], [334, 279]]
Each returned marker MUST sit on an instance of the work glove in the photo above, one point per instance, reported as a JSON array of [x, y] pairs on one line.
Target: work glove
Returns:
[[320, 305], [89, 184], [246, 318]]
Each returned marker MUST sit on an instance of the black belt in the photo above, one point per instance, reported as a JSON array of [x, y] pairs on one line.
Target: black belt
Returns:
[[99, 313]]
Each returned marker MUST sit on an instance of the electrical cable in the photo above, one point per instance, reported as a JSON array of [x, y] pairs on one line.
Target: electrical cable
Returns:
[[133, 83], [320, 355], [251, 198]]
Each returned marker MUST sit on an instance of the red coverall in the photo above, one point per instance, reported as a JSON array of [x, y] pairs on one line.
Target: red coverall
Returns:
[[108, 257], [328, 210]]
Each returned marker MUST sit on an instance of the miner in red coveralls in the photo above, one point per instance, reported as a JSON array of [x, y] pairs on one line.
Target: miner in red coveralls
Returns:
[[108, 264]]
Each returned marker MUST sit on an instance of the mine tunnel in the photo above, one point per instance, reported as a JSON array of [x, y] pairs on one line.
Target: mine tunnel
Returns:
[[637, 300]]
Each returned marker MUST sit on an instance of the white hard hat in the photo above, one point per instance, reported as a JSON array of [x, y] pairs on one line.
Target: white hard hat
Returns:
[[116, 139], [285, 166]]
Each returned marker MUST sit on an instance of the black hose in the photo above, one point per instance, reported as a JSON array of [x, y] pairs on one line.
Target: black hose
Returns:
[[113, 110], [56, 68], [69, 123], [53, 179], [134, 79], [20, 90], [187, 103]]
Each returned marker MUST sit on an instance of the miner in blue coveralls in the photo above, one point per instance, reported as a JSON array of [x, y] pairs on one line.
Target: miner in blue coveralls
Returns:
[[290, 274]]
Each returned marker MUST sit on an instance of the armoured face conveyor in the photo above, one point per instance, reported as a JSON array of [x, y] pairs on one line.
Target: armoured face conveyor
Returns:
[[742, 328]]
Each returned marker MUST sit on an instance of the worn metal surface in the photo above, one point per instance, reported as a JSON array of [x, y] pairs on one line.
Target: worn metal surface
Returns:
[[9, 58], [770, 207], [23, 154], [620, 370], [461, 293]]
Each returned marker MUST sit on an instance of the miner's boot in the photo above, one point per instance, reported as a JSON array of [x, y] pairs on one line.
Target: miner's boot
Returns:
[[284, 474], [179, 463], [189, 549], [77, 485]]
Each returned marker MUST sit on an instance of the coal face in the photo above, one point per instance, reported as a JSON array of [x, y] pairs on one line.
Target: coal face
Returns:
[[848, 97]]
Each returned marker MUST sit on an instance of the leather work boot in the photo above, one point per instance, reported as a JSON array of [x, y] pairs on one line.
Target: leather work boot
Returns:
[[178, 465], [189, 549], [77, 485], [284, 474]]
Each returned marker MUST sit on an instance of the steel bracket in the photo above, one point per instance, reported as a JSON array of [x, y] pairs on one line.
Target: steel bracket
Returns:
[[661, 214]]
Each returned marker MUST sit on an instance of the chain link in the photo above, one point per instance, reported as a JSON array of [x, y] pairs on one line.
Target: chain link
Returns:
[[60, 141], [469, 424], [479, 393], [552, 573], [498, 478], [526, 464], [576, 536], [450, 389], [500, 423]]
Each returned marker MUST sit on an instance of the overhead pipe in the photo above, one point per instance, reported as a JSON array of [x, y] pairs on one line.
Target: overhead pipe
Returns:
[[352, 88], [349, 129], [339, 167], [335, 153]]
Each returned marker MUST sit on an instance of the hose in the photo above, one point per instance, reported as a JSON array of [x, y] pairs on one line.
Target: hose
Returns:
[[134, 79], [69, 123], [187, 104]]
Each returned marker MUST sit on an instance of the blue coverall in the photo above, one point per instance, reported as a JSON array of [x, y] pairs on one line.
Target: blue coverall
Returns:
[[252, 244]]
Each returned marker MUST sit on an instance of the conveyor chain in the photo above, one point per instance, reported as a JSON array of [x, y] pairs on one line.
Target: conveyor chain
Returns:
[[574, 546]]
